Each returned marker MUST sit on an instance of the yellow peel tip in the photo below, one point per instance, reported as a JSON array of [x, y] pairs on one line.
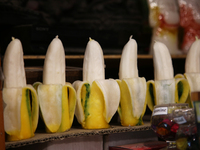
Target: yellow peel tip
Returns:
[[12, 38]]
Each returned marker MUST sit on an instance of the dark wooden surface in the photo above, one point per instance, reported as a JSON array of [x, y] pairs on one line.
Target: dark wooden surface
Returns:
[[145, 65], [34, 74]]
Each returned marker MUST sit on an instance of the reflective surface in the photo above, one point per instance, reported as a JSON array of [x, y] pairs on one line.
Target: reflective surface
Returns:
[[162, 122], [186, 135]]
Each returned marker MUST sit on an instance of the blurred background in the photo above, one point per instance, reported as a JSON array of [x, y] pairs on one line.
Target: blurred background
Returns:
[[110, 22]]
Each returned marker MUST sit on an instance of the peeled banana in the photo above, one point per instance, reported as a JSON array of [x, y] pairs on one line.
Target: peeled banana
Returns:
[[21, 109], [192, 66], [133, 88], [97, 98], [57, 98], [192, 69], [165, 88]]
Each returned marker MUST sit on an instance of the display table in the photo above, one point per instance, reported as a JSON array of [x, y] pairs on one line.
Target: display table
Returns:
[[77, 138]]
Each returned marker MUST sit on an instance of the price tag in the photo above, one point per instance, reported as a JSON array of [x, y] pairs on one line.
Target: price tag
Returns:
[[160, 111], [180, 120]]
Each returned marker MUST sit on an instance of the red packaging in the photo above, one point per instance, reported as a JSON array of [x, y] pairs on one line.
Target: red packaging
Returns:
[[153, 145]]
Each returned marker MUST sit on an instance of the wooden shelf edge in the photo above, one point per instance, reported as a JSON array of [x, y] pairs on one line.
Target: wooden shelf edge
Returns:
[[76, 132], [105, 56]]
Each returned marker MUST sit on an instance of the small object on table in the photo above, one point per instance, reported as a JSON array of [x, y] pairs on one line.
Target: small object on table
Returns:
[[150, 145], [162, 122]]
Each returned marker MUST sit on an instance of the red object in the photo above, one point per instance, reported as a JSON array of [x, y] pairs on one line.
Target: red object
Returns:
[[174, 127], [162, 131], [153, 145], [191, 27]]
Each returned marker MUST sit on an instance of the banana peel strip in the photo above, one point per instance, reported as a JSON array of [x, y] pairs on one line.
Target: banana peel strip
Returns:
[[193, 79], [151, 99], [111, 93], [12, 98], [50, 100], [71, 101], [182, 90], [35, 107], [68, 107], [137, 90], [79, 111], [138, 94], [179, 76]]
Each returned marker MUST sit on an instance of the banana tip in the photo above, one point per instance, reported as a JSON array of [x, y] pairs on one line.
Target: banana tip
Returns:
[[90, 39]]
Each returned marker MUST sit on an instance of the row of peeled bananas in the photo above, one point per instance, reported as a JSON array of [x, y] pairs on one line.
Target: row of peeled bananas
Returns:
[[94, 100]]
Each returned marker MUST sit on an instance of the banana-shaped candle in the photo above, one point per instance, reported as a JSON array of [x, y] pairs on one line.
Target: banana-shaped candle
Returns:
[[21, 104], [57, 98], [165, 88], [192, 66], [133, 88], [192, 69], [97, 97]]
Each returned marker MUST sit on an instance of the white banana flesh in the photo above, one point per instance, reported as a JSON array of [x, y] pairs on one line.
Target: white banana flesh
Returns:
[[54, 65], [163, 68], [192, 66], [128, 63], [163, 74], [192, 62], [93, 63], [13, 65], [12, 111]]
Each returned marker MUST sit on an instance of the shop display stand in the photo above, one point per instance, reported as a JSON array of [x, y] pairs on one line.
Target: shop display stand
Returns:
[[76, 136], [77, 132]]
